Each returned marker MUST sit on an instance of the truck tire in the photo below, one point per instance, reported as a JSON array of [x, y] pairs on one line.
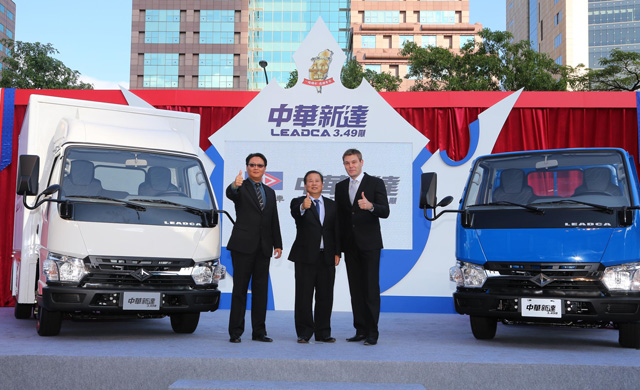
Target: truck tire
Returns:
[[48, 323], [483, 328], [185, 322], [629, 335], [22, 311]]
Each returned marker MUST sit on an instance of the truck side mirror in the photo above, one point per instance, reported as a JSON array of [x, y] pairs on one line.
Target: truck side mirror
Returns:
[[428, 186], [28, 174]]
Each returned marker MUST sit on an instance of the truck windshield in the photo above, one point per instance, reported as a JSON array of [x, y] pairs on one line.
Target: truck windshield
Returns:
[[596, 179], [135, 177]]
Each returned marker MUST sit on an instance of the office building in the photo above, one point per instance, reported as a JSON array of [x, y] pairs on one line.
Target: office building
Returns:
[[576, 32], [380, 29], [7, 23], [200, 44]]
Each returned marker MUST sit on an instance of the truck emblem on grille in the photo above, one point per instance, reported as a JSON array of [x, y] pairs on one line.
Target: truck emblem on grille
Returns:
[[141, 274], [541, 280]]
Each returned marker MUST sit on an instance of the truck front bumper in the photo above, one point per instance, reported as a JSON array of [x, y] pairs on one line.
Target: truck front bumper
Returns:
[[585, 309], [76, 299]]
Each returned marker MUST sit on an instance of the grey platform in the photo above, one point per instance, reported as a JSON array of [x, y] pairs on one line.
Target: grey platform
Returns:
[[436, 351]]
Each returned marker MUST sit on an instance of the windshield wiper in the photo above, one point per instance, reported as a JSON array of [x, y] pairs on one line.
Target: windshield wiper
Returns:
[[505, 202], [126, 203], [600, 207], [192, 210]]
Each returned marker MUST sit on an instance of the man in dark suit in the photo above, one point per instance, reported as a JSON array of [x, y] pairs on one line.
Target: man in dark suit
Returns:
[[316, 255], [255, 235], [362, 201]]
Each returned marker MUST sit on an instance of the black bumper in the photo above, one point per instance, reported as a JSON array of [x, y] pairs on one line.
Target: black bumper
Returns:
[[76, 299], [589, 309]]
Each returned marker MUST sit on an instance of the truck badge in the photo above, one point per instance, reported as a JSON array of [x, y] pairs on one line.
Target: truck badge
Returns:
[[141, 274]]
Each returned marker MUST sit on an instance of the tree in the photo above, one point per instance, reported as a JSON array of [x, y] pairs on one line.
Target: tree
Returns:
[[352, 74], [491, 64], [620, 72], [31, 66]]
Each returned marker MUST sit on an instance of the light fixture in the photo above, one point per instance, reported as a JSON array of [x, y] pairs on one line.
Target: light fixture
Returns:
[[263, 64]]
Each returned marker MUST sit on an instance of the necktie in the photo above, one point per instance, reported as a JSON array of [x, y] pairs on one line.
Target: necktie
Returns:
[[353, 188], [259, 193], [320, 214]]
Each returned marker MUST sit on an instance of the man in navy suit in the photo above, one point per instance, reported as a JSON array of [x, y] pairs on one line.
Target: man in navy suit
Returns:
[[362, 201], [255, 235], [315, 254]]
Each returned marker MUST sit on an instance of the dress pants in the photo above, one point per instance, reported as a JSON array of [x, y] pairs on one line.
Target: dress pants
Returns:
[[321, 277], [255, 268], [363, 272]]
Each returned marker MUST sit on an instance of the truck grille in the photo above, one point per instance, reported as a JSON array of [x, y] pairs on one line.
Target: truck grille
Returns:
[[137, 272], [134, 263], [556, 279]]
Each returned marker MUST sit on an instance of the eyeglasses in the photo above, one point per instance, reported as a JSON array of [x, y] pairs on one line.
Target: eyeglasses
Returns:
[[256, 165]]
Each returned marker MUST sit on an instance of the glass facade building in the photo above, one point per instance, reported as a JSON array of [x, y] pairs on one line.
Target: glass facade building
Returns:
[[613, 24], [203, 44], [277, 27]]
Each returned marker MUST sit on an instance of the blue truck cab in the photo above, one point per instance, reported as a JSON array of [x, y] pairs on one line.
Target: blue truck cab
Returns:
[[547, 236]]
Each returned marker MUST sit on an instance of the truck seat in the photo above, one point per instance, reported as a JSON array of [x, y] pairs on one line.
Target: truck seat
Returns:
[[158, 180], [598, 180], [80, 180], [513, 187]]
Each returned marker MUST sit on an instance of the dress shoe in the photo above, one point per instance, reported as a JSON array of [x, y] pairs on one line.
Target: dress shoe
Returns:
[[370, 341], [327, 340], [357, 337], [264, 338], [303, 340], [235, 340]]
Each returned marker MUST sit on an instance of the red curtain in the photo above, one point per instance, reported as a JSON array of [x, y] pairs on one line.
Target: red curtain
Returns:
[[538, 121]]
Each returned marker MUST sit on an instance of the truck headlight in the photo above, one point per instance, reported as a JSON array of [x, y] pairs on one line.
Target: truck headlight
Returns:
[[219, 272], [624, 277], [202, 273], [61, 268], [467, 274]]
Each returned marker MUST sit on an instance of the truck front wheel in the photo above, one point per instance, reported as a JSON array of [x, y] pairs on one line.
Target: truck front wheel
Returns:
[[48, 323], [483, 328], [185, 322], [22, 311], [629, 335]]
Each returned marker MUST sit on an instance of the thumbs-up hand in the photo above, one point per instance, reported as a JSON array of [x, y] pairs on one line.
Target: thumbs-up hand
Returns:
[[306, 203], [239, 180], [364, 204]]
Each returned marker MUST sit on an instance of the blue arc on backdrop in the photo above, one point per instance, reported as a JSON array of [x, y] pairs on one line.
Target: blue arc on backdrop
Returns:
[[395, 264]]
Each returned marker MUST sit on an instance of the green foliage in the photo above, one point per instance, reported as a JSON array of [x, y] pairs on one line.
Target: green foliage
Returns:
[[491, 64], [31, 66], [620, 72], [352, 74]]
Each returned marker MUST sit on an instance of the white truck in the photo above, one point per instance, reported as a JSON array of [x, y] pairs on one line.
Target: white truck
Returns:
[[127, 223]]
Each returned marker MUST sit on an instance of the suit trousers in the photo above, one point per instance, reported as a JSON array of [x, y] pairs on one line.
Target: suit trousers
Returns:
[[363, 272], [320, 276], [247, 268]]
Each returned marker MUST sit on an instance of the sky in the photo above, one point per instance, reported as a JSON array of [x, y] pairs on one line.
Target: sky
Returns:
[[94, 36]]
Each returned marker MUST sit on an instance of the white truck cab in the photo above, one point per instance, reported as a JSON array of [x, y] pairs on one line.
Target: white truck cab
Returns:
[[127, 223]]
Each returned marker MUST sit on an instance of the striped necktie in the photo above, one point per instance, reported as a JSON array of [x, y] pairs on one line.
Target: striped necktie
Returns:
[[259, 193]]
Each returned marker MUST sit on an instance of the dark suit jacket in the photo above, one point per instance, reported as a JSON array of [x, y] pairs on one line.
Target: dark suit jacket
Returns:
[[309, 230], [253, 225], [360, 229]]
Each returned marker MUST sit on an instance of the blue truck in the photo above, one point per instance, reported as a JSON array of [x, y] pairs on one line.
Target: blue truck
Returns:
[[547, 237]]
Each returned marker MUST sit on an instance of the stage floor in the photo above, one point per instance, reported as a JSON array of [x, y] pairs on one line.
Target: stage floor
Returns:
[[435, 350]]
